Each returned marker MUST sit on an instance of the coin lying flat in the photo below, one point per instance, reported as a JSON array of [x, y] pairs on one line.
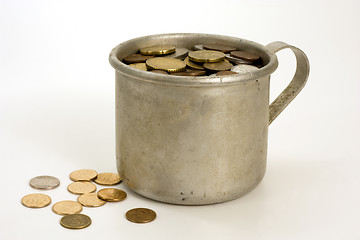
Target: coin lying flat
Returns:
[[219, 47], [140, 66], [36, 200], [90, 200], [140, 215], [158, 50], [203, 56], [191, 72], [180, 53], [243, 68], [245, 55], [107, 179], [223, 73], [166, 64], [75, 221], [83, 175], [218, 66], [67, 207], [136, 58], [111, 194], [81, 187], [193, 64], [44, 182]]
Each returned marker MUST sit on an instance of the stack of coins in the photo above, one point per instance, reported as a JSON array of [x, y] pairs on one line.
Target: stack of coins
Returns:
[[202, 60], [83, 187]]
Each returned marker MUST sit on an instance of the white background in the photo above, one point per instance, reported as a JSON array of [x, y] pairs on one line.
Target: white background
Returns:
[[57, 115]]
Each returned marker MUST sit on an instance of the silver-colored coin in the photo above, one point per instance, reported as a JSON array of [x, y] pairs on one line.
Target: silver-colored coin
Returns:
[[198, 47], [180, 53], [236, 60], [44, 182], [243, 68]]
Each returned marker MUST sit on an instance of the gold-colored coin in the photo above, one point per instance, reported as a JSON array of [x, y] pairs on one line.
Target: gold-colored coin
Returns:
[[67, 207], [157, 50], [90, 200], [140, 215], [166, 64], [193, 64], [111, 194], [218, 66], [190, 72], [75, 221], [107, 179], [83, 175], [81, 187], [141, 66], [206, 56], [36, 200]]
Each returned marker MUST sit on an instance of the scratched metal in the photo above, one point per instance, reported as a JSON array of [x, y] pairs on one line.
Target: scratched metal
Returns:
[[196, 140]]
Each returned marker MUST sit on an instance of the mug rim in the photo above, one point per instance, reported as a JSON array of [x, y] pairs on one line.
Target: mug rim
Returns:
[[147, 76]]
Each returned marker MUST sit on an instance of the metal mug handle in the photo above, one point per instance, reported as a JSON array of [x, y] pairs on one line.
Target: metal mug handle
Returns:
[[296, 84]]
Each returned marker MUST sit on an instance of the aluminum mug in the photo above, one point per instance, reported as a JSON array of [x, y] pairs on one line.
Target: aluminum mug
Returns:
[[196, 140]]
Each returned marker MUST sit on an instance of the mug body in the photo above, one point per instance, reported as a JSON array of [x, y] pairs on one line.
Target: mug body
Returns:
[[191, 140]]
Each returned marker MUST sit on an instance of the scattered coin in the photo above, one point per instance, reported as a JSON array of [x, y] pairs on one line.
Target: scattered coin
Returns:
[[75, 221], [159, 71], [140, 215], [218, 47], [193, 64], [218, 66], [83, 175], [245, 55], [140, 66], [180, 53], [71, 209], [90, 200], [67, 207], [191, 72], [166, 64], [206, 56], [111, 194], [81, 187], [243, 68], [136, 58], [107, 179], [36, 200], [157, 50], [223, 73], [44, 182]]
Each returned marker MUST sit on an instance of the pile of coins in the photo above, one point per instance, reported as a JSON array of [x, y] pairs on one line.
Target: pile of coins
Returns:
[[83, 187], [201, 60]]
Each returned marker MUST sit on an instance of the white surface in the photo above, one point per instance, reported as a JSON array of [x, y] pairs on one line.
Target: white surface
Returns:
[[57, 115]]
